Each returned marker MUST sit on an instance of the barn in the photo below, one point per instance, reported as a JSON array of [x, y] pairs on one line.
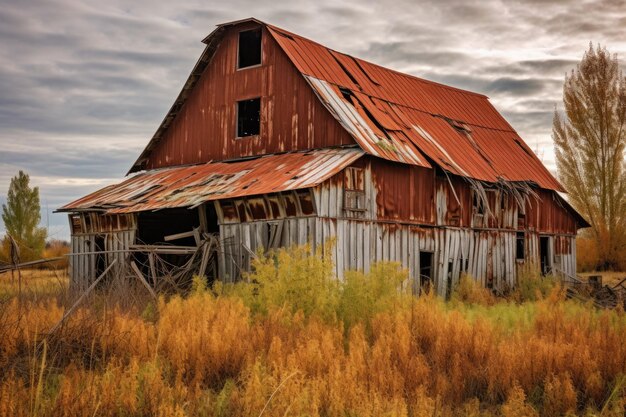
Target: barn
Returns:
[[276, 140]]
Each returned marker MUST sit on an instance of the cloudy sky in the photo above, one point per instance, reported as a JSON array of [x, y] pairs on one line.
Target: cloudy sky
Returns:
[[84, 84]]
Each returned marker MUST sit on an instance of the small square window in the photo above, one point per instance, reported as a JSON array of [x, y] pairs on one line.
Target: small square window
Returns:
[[248, 117], [249, 53]]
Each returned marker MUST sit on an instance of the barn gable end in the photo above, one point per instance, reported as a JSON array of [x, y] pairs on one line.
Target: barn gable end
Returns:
[[204, 128]]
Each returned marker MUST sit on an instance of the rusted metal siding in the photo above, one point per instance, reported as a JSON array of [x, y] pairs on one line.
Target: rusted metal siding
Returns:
[[292, 118], [403, 192], [549, 214]]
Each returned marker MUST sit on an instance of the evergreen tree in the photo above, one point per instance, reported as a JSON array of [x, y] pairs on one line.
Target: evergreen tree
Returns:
[[21, 216], [590, 140]]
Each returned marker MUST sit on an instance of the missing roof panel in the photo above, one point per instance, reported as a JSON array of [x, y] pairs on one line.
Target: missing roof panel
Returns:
[[249, 52]]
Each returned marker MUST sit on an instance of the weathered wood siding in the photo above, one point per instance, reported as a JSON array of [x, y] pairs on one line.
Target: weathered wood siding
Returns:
[[87, 230]]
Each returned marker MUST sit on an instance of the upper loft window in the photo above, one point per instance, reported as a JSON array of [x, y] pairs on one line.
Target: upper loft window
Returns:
[[248, 117], [249, 54], [354, 189]]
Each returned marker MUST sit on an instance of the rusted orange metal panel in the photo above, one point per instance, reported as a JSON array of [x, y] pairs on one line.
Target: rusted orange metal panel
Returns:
[[550, 214], [204, 129], [190, 186], [384, 107], [403, 192]]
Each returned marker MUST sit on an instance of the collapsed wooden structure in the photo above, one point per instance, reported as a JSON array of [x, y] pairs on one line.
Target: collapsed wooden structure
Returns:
[[276, 140]]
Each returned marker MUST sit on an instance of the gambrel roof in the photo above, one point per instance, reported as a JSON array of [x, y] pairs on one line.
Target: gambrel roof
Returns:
[[397, 116]]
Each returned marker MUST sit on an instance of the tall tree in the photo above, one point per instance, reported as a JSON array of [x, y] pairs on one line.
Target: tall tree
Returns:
[[21, 216], [590, 138]]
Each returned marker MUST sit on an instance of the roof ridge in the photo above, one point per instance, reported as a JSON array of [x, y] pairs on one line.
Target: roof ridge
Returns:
[[404, 74]]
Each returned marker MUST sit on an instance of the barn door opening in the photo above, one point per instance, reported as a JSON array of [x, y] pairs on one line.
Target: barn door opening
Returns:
[[426, 271], [100, 249], [544, 253]]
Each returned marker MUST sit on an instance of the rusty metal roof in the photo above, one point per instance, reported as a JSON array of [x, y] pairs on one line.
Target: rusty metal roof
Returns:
[[458, 130], [189, 186], [397, 116]]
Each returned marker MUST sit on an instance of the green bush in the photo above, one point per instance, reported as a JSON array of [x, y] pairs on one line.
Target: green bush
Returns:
[[289, 278], [362, 296], [299, 280], [469, 291], [531, 285]]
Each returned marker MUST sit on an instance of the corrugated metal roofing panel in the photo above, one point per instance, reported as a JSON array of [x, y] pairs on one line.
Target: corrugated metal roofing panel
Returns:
[[390, 134], [386, 106], [190, 186], [367, 134]]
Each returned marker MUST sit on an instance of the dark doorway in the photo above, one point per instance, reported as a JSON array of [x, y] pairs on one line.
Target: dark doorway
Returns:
[[426, 271], [544, 253], [212, 225], [99, 248]]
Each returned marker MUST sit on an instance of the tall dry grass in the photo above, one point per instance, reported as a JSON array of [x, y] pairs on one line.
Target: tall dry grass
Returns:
[[367, 350]]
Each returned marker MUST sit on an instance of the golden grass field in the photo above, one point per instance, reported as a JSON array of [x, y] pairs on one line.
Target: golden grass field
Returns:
[[297, 343]]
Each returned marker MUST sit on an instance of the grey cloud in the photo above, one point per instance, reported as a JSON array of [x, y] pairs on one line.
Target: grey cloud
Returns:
[[515, 86]]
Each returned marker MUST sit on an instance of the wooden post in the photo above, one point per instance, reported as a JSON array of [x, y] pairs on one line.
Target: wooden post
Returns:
[[82, 297], [142, 279]]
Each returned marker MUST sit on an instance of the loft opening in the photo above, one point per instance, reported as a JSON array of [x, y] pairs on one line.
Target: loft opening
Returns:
[[248, 117], [249, 51]]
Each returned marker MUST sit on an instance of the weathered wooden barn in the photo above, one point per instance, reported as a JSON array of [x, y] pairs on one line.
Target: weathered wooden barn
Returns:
[[277, 140]]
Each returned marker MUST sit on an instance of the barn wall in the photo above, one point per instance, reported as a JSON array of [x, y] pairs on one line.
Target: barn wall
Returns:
[[292, 118], [360, 209], [115, 232], [547, 215]]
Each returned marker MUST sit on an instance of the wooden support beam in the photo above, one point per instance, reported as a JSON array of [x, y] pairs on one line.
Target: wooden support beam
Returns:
[[182, 235], [206, 252], [82, 297], [142, 279], [152, 268]]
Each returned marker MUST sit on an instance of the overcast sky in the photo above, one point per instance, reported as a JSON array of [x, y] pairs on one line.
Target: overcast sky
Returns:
[[84, 84]]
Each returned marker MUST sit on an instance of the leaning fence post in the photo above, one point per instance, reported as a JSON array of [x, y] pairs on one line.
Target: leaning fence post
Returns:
[[82, 297]]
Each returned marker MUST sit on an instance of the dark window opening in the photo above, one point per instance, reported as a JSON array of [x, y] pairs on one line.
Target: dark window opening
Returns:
[[426, 271], [249, 48], [520, 246], [248, 117]]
